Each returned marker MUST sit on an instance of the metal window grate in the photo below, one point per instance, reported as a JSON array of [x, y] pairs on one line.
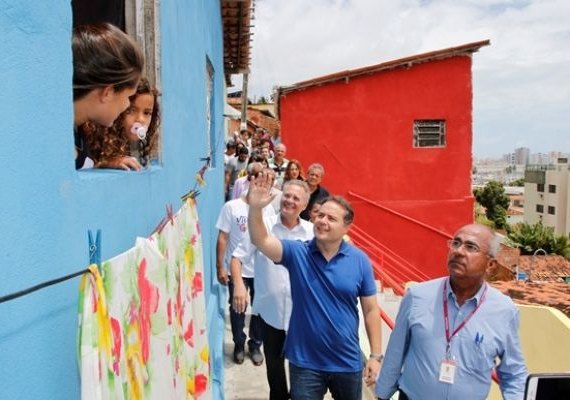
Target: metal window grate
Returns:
[[551, 210], [429, 133]]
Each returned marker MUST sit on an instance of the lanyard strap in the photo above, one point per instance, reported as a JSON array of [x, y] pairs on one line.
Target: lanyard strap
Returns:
[[449, 336]]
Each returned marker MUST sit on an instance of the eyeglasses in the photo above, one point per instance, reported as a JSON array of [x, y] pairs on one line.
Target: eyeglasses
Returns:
[[455, 244]]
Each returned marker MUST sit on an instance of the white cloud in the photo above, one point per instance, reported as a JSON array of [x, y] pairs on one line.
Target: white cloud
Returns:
[[521, 81]]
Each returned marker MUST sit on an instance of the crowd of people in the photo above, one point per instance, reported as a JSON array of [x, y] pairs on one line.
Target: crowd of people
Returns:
[[282, 247], [293, 262], [116, 110], [295, 208]]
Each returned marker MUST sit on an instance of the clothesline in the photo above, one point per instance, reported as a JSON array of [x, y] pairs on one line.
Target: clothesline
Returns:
[[191, 194], [42, 285]]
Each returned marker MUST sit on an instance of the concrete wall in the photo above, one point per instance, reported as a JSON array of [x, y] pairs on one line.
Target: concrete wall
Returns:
[[545, 340], [361, 130], [48, 206]]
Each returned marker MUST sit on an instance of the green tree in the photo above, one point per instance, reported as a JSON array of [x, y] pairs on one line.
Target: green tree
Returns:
[[495, 201], [530, 238], [518, 182]]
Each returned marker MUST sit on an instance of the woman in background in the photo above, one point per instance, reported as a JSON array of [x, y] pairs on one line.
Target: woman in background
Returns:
[[294, 170]]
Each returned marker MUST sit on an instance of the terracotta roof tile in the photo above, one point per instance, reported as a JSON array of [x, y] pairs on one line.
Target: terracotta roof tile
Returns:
[[553, 294]]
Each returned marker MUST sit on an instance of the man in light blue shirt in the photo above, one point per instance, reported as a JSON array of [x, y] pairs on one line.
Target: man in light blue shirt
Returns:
[[451, 332]]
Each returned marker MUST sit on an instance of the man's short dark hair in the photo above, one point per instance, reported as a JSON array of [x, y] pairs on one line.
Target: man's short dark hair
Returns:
[[341, 201], [243, 150]]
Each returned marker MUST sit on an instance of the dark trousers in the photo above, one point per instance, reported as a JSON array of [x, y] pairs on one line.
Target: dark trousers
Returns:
[[237, 320], [309, 384], [273, 341]]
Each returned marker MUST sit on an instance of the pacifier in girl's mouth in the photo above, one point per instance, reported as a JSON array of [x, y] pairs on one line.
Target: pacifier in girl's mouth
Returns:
[[140, 130]]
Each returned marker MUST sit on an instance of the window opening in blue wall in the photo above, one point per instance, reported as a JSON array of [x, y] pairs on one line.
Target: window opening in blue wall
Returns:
[[140, 20], [94, 11]]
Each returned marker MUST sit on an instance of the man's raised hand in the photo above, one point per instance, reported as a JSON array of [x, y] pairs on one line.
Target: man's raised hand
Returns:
[[259, 193]]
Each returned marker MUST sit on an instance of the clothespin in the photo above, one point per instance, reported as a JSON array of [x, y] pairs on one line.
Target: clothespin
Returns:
[[160, 225], [169, 214], [202, 171], [192, 194], [169, 217], [94, 248], [207, 159]]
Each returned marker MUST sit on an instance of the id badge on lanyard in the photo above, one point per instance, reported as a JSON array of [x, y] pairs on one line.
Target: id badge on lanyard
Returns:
[[447, 371], [448, 365]]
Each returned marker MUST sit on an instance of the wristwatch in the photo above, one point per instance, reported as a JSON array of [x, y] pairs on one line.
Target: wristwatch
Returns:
[[377, 356]]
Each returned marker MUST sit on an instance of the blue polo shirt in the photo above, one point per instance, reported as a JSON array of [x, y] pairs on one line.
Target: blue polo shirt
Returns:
[[323, 330]]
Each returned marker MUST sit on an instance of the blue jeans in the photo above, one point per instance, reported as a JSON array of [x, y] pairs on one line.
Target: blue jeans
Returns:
[[237, 320], [309, 384]]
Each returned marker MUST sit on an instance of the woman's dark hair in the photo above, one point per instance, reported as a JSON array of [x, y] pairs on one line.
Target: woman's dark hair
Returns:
[[287, 175], [103, 55]]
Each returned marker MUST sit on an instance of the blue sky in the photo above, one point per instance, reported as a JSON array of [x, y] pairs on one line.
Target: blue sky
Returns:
[[521, 82]]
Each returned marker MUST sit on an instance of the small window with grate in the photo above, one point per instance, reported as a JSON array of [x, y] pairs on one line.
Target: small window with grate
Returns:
[[551, 210], [551, 188], [429, 133], [540, 187], [539, 208]]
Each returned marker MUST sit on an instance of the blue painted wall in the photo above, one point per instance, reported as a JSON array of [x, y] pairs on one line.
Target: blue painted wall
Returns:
[[47, 207]]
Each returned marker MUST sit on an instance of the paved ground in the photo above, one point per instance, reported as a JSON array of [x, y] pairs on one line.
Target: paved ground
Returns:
[[247, 381]]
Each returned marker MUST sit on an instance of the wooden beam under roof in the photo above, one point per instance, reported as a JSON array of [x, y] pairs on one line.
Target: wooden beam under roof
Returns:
[[236, 18]]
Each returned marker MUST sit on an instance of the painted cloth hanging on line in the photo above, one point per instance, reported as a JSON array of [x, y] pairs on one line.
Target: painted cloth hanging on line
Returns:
[[142, 322]]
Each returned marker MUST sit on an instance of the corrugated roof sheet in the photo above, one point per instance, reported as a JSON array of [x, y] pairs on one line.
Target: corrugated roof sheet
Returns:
[[405, 62]]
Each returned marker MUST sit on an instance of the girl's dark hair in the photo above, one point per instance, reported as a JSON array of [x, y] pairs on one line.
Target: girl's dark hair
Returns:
[[106, 144], [103, 55], [148, 148]]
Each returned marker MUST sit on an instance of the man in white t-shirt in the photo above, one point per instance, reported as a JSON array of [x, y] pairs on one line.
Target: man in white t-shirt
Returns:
[[232, 226], [272, 287]]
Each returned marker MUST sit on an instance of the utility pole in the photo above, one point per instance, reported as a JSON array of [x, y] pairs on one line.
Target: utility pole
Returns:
[[243, 125]]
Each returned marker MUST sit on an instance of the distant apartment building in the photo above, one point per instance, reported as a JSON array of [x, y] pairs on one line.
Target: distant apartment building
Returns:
[[522, 156], [541, 159], [546, 158], [546, 195]]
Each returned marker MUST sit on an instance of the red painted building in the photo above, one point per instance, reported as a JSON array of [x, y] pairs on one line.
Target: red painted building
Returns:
[[395, 139]]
